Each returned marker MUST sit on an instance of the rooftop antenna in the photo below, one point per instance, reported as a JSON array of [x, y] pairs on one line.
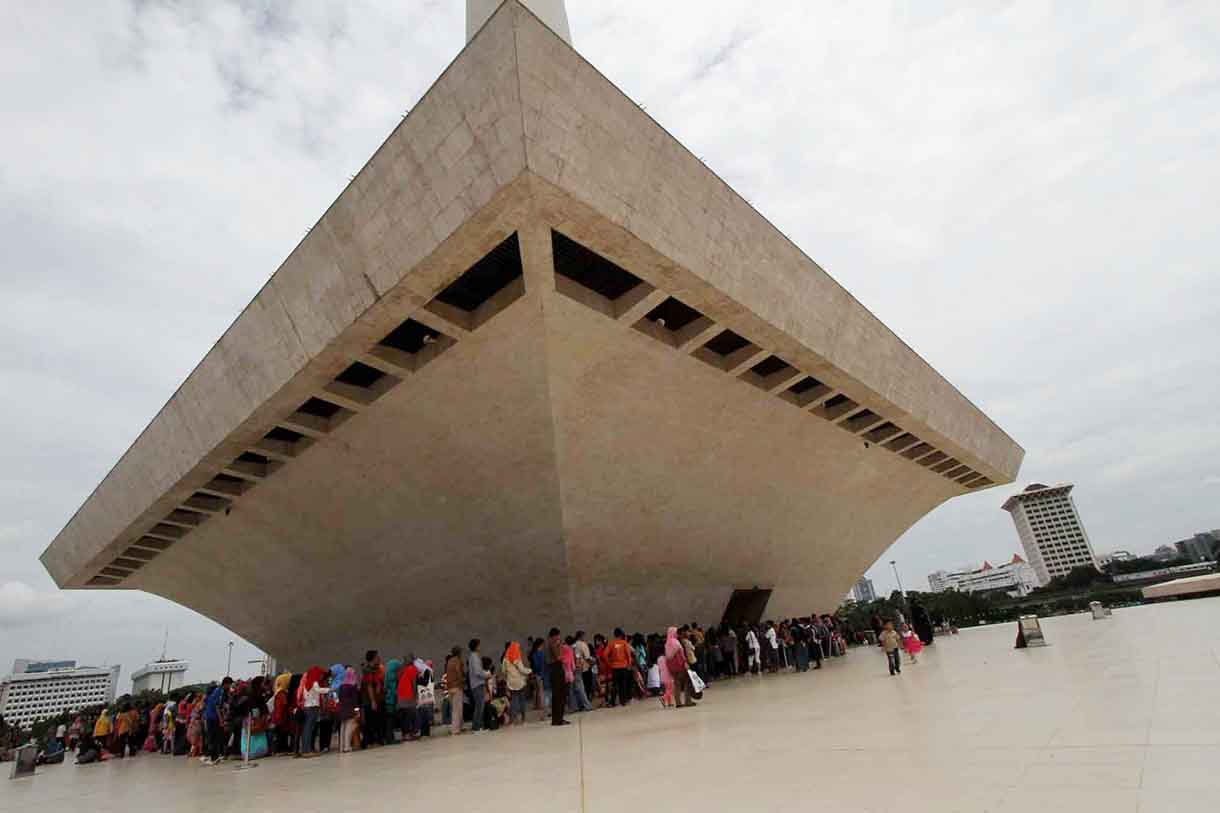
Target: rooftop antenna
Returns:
[[553, 14]]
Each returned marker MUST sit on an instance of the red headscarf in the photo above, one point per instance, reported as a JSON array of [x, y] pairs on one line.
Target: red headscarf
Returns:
[[513, 653], [312, 677]]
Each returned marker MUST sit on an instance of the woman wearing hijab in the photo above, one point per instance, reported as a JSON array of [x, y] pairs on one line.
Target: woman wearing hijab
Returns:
[[280, 712], [349, 701], [314, 688], [675, 661], [516, 675], [102, 730], [404, 699]]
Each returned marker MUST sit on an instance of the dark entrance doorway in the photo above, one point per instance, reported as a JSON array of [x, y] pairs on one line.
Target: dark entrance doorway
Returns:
[[746, 607]]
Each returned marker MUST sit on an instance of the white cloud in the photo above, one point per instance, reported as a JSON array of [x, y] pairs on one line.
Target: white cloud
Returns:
[[22, 605]]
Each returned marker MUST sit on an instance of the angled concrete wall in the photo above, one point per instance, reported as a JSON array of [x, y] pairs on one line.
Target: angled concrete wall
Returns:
[[562, 459]]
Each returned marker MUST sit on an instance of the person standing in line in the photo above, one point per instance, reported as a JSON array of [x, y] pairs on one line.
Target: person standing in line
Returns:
[[676, 663], [892, 644], [211, 722], [753, 651], [575, 693], [349, 701], [542, 679], [425, 697], [516, 677], [554, 666], [455, 687], [315, 689], [372, 700], [584, 664], [477, 676], [618, 655], [405, 703], [772, 647], [390, 700]]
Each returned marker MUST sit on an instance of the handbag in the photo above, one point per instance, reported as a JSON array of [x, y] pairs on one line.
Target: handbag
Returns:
[[697, 684]]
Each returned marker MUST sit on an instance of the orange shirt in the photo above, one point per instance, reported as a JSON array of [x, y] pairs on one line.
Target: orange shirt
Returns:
[[619, 654]]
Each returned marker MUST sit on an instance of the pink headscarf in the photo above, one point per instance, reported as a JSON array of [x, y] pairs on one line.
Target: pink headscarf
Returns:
[[350, 678], [674, 653]]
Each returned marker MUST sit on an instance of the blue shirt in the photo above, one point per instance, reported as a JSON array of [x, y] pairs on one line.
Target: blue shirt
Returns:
[[211, 706], [538, 664]]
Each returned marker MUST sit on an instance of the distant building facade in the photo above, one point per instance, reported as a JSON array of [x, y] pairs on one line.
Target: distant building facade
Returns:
[[1107, 559], [162, 676], [863, 591], [1016, 578], [1202, 547], [1050, 530], [28, 696]]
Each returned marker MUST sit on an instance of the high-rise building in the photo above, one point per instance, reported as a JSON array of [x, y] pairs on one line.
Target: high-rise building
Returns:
[[163, 676], [863, 591], [1015, 577], [1051, 532], [29, 696]]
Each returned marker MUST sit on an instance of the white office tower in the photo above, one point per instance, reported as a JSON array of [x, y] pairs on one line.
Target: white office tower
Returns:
[[29, 696], [162, 676], [1050, 529]]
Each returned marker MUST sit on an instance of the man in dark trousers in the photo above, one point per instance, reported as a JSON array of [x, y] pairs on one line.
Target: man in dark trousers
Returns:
[[559, 682]]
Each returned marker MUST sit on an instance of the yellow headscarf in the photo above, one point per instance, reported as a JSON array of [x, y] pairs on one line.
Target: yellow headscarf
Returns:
[[282, 682], [102, 727]]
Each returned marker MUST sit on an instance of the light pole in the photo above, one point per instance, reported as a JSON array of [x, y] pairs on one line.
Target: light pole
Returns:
[[229, 665], [894, 565]]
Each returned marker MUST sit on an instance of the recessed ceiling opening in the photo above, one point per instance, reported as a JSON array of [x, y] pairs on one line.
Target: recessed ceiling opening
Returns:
[[673, 323], [485, 289], [590, 270], [835, 407], [806, 391], [769, 374]]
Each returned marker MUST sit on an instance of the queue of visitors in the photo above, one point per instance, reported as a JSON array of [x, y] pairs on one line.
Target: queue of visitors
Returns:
[[382, 702]]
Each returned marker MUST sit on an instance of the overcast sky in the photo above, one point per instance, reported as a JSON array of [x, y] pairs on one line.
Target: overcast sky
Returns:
[[1028, 194]]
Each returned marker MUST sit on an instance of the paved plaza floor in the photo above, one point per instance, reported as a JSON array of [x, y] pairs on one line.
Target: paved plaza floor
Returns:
[[1115, 715]]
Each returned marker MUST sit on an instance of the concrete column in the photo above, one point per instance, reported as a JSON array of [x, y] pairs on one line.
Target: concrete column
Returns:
[[553, 14]]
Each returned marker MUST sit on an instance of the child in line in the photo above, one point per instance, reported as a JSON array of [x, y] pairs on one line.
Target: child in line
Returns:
[[892, 644], [911, 643]]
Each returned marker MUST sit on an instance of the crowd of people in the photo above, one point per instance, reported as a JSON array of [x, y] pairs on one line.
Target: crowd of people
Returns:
[[401, 699]]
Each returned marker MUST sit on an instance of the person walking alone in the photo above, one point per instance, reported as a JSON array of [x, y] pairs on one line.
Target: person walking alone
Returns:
[[891, 642]]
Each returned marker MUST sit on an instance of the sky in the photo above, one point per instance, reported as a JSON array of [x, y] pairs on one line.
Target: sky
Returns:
[[1026, 193]]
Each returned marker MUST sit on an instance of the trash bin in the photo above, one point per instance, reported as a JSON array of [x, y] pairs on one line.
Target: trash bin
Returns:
[[24, 759], [1098, 610]]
